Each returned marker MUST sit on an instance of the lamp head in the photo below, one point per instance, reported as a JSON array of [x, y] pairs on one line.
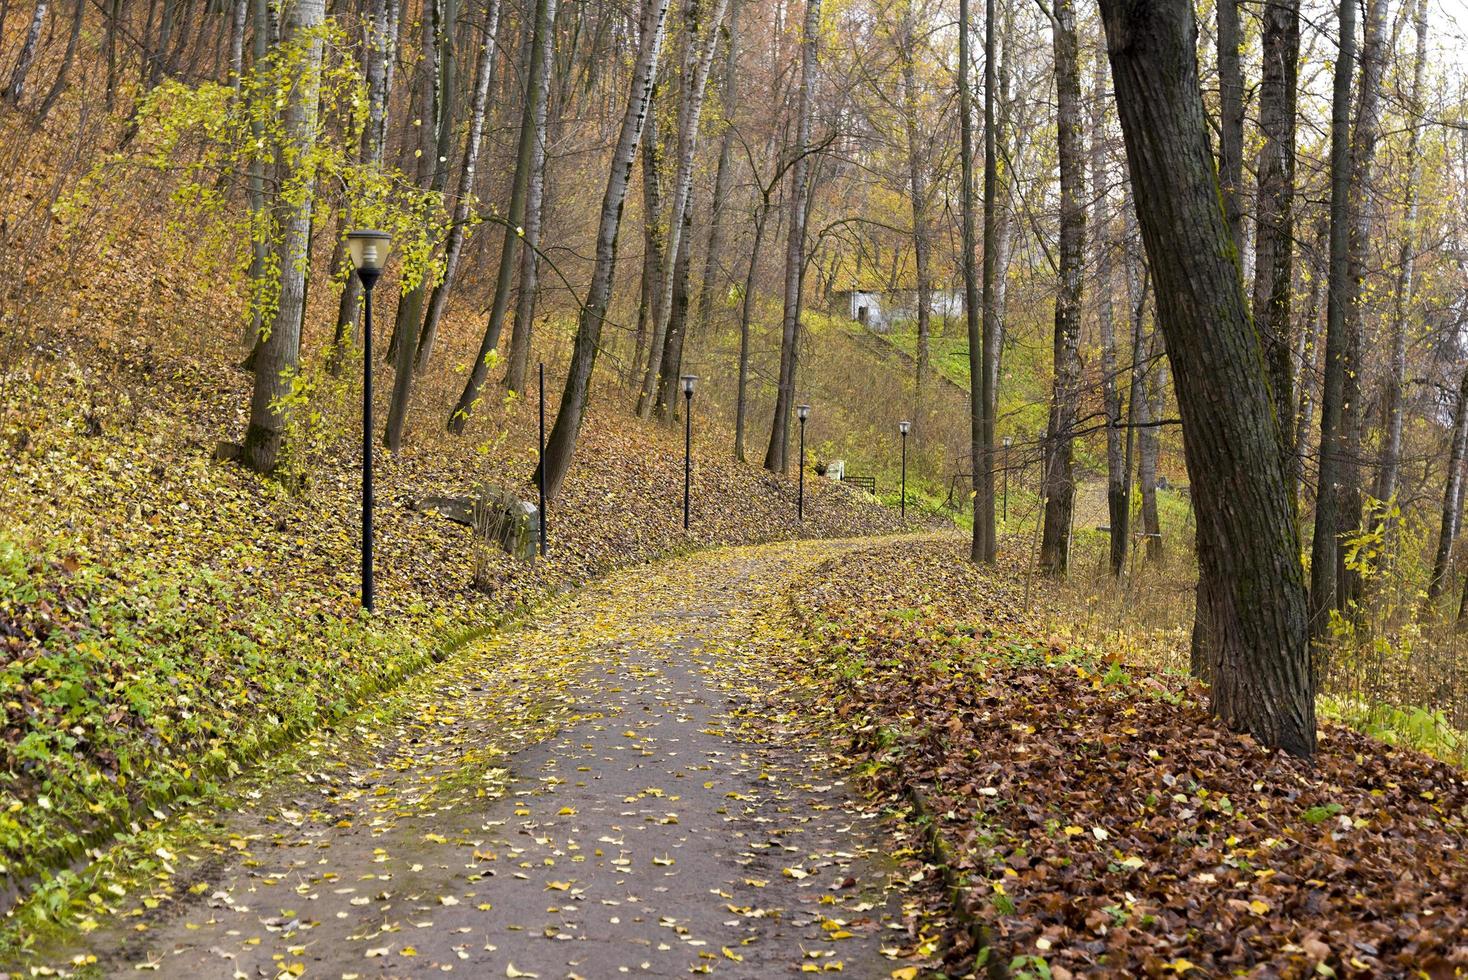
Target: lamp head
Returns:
[[689, 380], [802, 412], [369, 249], [1008, 441], [903, 427]]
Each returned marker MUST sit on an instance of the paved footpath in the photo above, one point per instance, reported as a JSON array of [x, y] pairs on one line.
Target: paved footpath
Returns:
[[622, 786]]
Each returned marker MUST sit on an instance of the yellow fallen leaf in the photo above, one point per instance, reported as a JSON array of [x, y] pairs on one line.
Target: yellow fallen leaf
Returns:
[[731, 955]]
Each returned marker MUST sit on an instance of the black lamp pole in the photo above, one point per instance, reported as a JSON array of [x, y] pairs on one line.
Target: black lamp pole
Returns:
[[540, 470], [369, 253], [1007, 443], [688, 382], [369, 279], [803, 412], [903, 427]]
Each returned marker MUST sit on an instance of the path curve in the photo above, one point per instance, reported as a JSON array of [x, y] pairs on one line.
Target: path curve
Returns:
[[621, 786]]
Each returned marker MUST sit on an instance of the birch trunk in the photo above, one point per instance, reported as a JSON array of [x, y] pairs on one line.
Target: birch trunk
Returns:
[[16, 87], [280, 350]]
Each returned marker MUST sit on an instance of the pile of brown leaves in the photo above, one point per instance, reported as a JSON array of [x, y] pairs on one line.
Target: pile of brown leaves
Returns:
[[1105, 822]]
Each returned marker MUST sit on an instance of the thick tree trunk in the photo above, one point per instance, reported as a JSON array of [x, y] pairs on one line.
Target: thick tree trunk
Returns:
[[724, 175], [1059, 487], [280, 349], [561, 445], [1274, 227], [1325, 547], [1262, 678], [1452, 500], [1402, 295], [693, 80], [464, 197], [537, 81], [777, 452], [16, 86]]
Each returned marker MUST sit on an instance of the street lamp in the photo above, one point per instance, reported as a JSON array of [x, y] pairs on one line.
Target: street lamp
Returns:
[[903, 427], [689, 380], [802, 412], [369, 249], [1008, 441]]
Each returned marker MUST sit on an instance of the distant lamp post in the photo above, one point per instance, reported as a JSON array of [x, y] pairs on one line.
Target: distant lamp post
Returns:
[[369, 254], [903, 427], [802, 412], [689, 380], [1008, 441]]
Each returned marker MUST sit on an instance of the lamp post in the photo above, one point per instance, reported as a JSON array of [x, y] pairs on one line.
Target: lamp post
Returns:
[[540, 469], [903, 427], [802, 412], [368, 248], [689, 380], [1008, 441]]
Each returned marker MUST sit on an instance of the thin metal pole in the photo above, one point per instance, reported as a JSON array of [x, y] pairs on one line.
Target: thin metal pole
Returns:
[[367, 584], [800, 503], [904, 476], [540, 470], [687, 454], [1006, 486]]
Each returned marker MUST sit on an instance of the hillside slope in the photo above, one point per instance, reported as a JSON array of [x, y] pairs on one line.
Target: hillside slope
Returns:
[[166, 617]]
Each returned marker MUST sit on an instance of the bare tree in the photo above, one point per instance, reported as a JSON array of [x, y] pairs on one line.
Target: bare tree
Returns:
[[1402, 293], [1059, 485], [1325, 546], [561, 446], [536, 85], [776, 454], [1274, 225]]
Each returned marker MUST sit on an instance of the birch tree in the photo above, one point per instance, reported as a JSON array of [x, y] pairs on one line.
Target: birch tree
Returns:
[[280, 349]]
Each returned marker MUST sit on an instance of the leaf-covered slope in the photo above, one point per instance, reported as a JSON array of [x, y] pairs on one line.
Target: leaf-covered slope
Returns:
[[1105, 822], [163, 615]]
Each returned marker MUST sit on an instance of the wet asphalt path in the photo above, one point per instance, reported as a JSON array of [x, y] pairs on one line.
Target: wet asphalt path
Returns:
[[620, 787]]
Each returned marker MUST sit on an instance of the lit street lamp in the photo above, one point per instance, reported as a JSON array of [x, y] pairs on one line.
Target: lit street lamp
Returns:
[[903, 427], [689, 380], [1008, 441], [369, 254], [802, 412]]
